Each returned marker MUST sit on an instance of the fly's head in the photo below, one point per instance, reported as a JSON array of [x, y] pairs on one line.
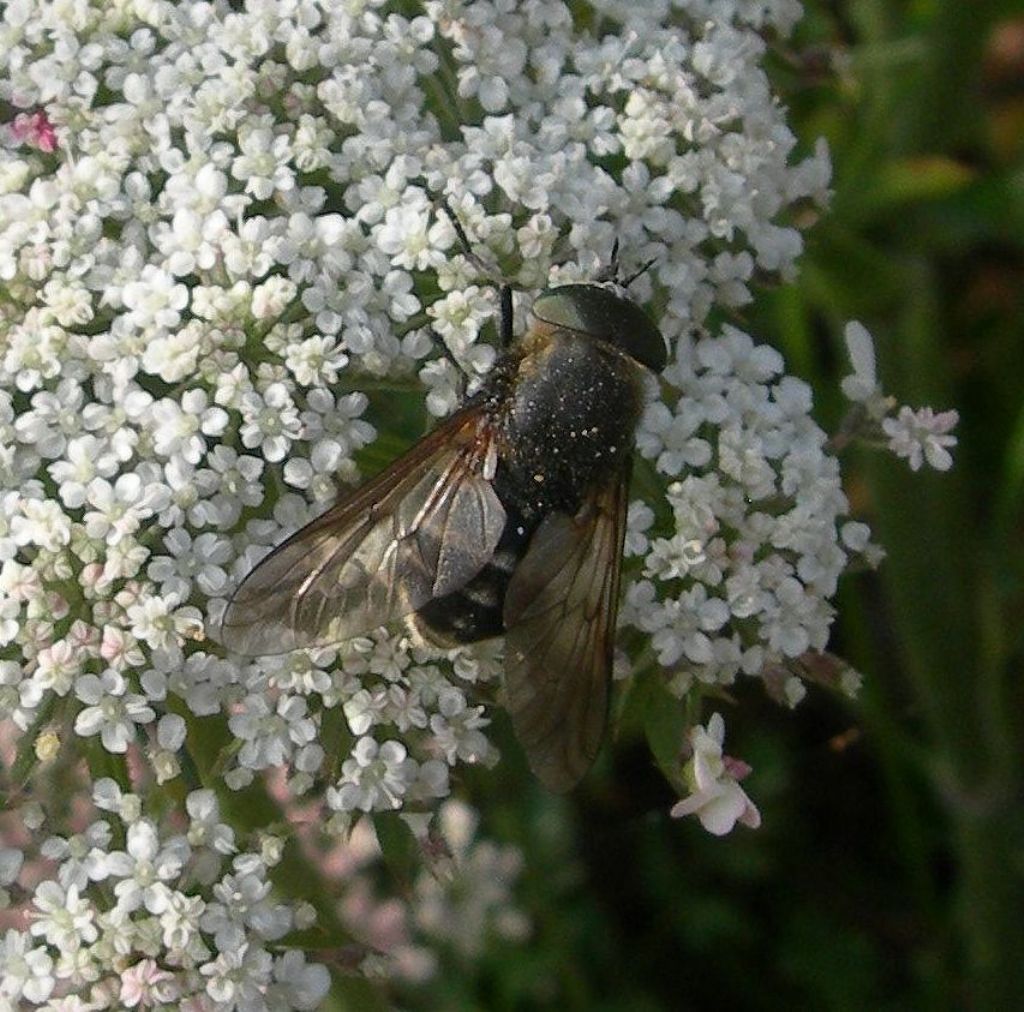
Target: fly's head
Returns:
[[602, 312]]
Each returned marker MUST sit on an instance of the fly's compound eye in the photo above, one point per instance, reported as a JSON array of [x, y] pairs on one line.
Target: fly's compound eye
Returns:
[[602, 313]]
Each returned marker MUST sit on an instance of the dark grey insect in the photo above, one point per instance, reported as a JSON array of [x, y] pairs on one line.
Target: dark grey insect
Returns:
[[507, 519]]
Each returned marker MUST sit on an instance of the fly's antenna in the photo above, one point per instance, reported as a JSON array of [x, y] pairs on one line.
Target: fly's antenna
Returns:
[[643, 270], [612, 271]]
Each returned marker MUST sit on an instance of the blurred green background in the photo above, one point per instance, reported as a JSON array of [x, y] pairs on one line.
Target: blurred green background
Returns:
[[888, 873]]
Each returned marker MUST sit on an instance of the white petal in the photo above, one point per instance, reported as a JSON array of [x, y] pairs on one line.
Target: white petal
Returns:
[[861, 350]]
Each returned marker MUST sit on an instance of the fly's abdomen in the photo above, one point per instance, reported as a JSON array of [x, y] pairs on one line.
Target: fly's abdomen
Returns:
[[475, 611]]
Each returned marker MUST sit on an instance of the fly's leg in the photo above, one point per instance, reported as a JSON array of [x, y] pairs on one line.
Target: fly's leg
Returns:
[[464, 373], [506, 322]]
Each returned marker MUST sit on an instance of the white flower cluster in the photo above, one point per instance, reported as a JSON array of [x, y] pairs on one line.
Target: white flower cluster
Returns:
[[760, 530], [759, 535], [236, 214], [387, 689], [218, 231], [172, 919]]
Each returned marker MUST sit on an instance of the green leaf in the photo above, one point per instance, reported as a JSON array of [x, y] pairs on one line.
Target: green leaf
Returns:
[[402, 852], [353, 994], [25, 760], [665, 724]]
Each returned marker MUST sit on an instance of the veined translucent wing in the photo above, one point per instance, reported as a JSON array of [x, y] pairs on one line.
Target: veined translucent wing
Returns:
[[422, 528], [559, 614]]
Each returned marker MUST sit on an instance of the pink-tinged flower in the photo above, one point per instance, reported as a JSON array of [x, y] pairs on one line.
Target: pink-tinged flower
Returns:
[[119, 648], [145, 984], [716, 797], [36, 130]]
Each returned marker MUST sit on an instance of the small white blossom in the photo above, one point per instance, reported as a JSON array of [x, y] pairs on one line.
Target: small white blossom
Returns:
[[63, 917], [239, 977], [228, 483], [191, 563], [375, 777], [181, 424], [271, 421], [159, 622], [457, 728], [119, 509], [173, 356], [146, 867], [85, 458], [154, 301], [111, 710], [82, 856], [316, 361], [205, 828], [922, 435], [297, 984], [263, 163], [365, 709], [270, 736], [25, 972], [146, 984], [57, 667], [405, 236], [42, 523]]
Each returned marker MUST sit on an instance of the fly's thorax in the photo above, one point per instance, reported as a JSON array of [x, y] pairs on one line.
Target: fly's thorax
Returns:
[[569, 417]]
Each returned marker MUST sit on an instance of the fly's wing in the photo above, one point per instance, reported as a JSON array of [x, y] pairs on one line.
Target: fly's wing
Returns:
[[421, 529], [560, 611]]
